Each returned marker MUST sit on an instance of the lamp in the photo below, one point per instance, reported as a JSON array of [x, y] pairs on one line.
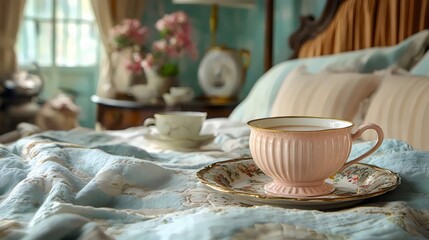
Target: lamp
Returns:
[[214, 10]]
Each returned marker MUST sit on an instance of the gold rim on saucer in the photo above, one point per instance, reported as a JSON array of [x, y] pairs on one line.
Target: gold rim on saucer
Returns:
[[355, 183]]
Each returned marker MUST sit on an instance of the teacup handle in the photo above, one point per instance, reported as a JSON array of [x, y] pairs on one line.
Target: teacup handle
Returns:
[[149, 122], [357, 134]]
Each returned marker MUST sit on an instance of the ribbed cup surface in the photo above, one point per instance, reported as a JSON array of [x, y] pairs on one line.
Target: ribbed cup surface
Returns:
[[300, 158]]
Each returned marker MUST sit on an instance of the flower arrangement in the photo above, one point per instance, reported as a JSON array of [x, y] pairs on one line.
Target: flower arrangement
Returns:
[[159, 63], [175, 32], [130, 34], [175, 41]]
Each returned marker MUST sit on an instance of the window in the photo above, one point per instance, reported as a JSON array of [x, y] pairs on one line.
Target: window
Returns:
[[61, 36], [58, 33]]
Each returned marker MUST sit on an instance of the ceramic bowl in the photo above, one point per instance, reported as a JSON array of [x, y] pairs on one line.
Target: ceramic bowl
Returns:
[[143, 93]]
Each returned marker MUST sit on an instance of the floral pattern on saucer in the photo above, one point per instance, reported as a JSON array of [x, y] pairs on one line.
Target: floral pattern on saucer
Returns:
[[244, 181]]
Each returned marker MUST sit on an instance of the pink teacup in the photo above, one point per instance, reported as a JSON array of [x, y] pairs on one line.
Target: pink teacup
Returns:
[[299, 153]]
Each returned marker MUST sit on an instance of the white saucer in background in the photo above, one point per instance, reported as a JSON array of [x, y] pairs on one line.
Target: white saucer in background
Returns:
[[170, 143]]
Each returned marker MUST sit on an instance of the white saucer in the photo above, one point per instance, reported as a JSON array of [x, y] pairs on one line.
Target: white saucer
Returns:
[[171, 143], [242, 180]]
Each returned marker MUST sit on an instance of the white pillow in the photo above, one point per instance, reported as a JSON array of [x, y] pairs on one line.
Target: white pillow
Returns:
[[325, 94], [401, 108], [259, 101], [422, 67]]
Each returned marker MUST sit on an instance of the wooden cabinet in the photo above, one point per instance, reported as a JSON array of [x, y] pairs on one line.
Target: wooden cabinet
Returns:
[[115, 114]]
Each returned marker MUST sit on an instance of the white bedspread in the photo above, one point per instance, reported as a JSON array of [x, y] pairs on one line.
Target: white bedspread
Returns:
[[99, 185]]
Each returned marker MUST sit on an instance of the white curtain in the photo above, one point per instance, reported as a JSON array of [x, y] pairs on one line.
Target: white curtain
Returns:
[[10, 18], [108, 13]]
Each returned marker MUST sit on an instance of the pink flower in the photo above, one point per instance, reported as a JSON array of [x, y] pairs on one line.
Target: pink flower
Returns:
[[148, 61], [129, 33], [176, 41], [135, 64], [176, 32], [160, 25], [180, 17], [172, 22], [160, 45]]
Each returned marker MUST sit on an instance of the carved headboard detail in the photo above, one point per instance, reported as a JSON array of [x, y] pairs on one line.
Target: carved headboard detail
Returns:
[[347, 25]]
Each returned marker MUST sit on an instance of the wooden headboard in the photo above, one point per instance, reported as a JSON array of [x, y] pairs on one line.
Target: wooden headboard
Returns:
[[347, 25]]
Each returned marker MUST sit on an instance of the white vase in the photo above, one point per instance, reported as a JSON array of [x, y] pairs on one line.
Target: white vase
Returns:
[[160, 83], [121, 76]]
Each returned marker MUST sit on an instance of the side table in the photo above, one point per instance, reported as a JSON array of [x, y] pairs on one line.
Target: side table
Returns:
[[113, 114]]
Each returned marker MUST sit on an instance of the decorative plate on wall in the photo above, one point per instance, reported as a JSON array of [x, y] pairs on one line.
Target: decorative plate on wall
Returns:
[[222, 71]]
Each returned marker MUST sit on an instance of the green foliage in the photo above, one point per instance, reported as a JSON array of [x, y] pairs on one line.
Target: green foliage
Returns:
[[169, 69], [122, 41]]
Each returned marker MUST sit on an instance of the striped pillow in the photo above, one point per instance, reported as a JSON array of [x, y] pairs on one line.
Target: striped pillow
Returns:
[[325, 94], [401, 108]]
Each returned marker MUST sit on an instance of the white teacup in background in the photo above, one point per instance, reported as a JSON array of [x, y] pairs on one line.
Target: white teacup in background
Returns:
[[299, 153], [177, 124], [178, 95], [186, 93], [143, 93]]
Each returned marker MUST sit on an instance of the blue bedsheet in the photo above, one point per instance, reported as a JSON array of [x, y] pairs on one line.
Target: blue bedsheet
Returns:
[[92, 185]]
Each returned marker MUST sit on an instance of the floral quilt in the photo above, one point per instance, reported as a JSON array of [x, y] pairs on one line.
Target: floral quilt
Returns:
[[83, 184]]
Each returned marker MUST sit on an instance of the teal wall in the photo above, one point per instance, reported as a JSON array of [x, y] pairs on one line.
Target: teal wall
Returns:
[[237, 28]]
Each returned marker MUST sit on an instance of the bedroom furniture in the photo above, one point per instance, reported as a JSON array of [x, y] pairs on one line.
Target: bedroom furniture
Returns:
[[401, 106], [19, 100], [422, 67], [334, 95], [377, 38], [115, 114], [354, 25], [268, 34], [260, 99], [116, 184], [120, 185]]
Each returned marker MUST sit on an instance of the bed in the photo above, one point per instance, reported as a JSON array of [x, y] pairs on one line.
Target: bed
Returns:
[[84, 184]]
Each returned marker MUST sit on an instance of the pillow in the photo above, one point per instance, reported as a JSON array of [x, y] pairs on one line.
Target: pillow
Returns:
[[422, 67], [401, 108], [261, 97], [333, 95]]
